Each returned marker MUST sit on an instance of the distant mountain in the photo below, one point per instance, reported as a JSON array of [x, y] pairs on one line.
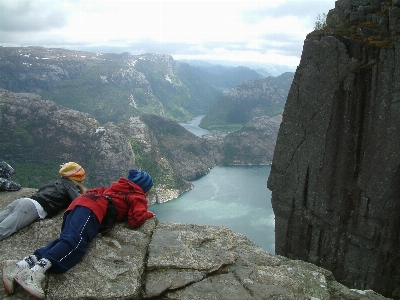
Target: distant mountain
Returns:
[[115, 87], [65, 96], [261, 68], [38, 135], [252, 98], [224, 78]]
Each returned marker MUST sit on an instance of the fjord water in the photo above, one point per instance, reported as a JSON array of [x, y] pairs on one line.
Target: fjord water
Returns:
[[232, 196], [193, 126], [236, 197]]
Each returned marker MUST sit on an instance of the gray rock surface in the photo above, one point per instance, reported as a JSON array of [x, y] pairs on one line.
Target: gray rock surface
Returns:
[[254, 143], [38, 131], [335, 173], [188, 155], [173, 154], [34, 130], [173, 261]]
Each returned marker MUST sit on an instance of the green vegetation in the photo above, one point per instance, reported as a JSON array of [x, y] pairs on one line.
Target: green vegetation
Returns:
[[96, 93], [158, 172], [229, 115], [367, 32], [234, 153], [112, 91], [35, 175], [228, 128], [252, 98], [112, 88], [320, 24], [162, 127]]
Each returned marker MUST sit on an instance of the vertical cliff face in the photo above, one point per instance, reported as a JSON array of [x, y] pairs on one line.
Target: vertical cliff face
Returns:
[[335, 176]]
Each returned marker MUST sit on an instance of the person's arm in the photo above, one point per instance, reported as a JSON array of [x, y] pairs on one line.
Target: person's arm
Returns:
[[138, 213], [73, 191], [97, 191]]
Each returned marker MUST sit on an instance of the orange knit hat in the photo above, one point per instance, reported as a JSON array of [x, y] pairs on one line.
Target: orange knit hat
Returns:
[[73, 171]]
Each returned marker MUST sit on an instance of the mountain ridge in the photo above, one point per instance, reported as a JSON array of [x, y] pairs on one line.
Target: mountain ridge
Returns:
[[38, 135], [113, 87]]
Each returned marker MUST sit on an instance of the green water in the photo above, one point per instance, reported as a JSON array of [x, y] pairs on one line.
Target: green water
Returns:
[[233, 196]]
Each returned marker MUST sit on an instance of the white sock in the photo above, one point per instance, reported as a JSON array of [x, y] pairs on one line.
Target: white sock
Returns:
[[42, 265], [27, 262]]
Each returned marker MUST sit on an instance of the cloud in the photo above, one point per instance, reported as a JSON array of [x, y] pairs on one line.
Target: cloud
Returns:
[[302, 9], [270, 31], [30, 16]]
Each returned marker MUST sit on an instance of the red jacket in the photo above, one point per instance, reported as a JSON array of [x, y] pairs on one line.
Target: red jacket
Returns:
[[127, 196]]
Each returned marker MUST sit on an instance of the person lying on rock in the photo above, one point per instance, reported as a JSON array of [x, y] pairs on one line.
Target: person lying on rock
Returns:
[[81, 224], [49, 200], [6, 184]]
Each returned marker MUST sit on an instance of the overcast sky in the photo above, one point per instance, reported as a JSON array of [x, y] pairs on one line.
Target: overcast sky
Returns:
[[267, 32]]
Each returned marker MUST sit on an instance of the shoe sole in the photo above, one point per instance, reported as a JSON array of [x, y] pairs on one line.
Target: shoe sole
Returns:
[[9, 290], [6, 289], [29, 291]]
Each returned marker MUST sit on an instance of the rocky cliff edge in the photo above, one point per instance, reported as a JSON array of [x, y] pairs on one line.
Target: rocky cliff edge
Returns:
[[173, 261], [336, 169]]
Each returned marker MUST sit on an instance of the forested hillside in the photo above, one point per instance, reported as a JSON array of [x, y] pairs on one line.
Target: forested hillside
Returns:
[[252, 98], [115, 87], [55, 99]]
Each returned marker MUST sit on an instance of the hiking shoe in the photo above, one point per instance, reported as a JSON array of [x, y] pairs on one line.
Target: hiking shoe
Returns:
[[10, 270], [31, 282]]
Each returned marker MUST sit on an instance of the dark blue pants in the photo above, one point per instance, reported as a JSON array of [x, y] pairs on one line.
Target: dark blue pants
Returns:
[[79, 227]]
